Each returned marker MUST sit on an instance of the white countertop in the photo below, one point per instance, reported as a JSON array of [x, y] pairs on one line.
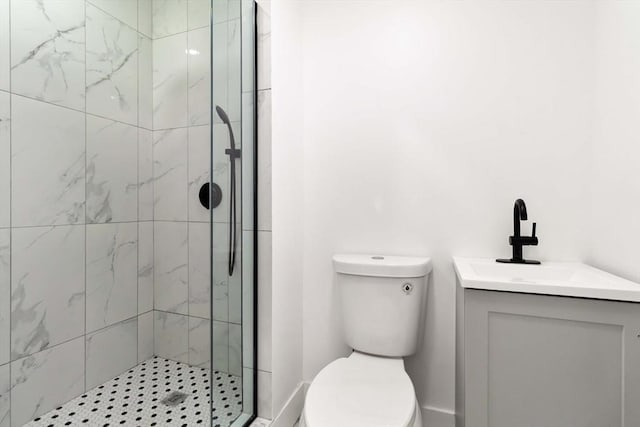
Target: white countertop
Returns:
[[571, 279]]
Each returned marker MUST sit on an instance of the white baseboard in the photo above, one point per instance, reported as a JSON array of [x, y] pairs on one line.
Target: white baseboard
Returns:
[[292, 409], [431, 417], [436, 417]]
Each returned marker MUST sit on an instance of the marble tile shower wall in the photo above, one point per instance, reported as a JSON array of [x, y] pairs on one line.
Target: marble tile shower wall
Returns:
[[76, 198], [264, 373], [182, 76]]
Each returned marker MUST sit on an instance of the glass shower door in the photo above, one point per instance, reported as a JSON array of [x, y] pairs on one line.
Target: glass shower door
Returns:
[[233, 203]]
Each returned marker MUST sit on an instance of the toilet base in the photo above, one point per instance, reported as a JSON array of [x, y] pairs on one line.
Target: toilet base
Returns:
[[417, 418]]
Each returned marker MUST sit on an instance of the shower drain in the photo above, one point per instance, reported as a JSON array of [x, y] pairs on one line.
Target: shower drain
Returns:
[[174, 398]]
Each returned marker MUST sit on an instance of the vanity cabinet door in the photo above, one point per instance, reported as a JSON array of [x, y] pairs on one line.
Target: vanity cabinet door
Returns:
[[544, 361]]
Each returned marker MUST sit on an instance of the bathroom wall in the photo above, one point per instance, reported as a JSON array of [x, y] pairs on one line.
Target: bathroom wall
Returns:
[[279, 272], [76, 205], [419, 130], [287, 152], [615, 205]]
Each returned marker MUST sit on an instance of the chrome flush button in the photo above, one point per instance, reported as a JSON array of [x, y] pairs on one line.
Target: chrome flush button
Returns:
[[407, 288]]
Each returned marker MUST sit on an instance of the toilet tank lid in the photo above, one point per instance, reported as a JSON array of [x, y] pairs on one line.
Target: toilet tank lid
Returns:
[[381, 265]]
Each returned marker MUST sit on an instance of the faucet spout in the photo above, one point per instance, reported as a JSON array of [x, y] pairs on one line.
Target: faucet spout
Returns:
[[519, 214]]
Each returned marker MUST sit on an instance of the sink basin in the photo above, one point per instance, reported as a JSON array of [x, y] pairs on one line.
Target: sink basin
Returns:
[[571, 279]]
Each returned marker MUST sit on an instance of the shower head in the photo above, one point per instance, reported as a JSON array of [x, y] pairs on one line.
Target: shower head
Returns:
[[222, 114]]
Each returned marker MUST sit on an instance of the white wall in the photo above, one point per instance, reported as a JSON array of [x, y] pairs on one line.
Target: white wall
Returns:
[[615, 220], [287, 221], [421, 123]]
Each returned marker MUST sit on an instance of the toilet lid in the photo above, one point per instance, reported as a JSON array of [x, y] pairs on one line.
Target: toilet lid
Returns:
[[361, 390]]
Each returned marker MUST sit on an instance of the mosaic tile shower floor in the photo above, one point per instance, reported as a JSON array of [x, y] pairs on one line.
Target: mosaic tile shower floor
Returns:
[[134, 399]]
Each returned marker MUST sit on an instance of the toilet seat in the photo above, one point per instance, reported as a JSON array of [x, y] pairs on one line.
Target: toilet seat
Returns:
[[361, 391]]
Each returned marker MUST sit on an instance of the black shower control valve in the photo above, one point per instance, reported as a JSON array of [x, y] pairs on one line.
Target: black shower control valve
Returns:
[[210, 195]]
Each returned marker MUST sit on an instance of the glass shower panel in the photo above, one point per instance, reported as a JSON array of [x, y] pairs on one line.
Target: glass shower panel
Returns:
[[233, 205]]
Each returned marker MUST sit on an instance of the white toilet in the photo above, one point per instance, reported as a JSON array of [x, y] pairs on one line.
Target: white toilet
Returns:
[[382, 301]]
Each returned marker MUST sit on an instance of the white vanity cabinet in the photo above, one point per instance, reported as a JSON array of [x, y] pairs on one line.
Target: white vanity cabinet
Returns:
[[530, 360]]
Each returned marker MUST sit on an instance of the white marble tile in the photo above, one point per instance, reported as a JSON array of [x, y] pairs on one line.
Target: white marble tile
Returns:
[[235, 283], [264, 300], [220, 346], [248, 156], [112, 274], [219, 68], [124, 10], [199, 342], [5, 388], [5, 159], [171, 336], [47, 287], [171, 291], [170, 108], [264, 395], [248, 299], [264, 160], [199, 70], [264, 4], [145, 336], [264, 48], [199, 170], [48, 51], [199, 13], [169, 17], [5, 50], [111, 351], [45, 380], [220, 273], [219, 10], [170, 173], [234, 73], [248, 47], [263, 422], [144, 17], [199, 270], [112, 171], [5, 296], [49, 160], [145, 266], [234, 9], [145, 175], [235, 349], [145, 82], [248, 391], [221, 170], [112, 67]]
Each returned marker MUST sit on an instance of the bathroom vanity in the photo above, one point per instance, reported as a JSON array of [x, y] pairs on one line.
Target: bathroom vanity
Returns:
[[554, 345]]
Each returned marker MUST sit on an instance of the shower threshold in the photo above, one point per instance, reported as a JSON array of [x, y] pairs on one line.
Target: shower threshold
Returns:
[[156, 392]]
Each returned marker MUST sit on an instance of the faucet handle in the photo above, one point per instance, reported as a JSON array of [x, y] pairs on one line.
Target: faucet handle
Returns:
[[533, 233]]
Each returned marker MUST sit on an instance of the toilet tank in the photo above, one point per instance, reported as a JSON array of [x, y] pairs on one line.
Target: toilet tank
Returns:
[[382, 302]]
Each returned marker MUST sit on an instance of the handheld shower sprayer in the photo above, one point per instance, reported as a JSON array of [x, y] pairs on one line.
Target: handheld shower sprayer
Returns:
[[233, 154]]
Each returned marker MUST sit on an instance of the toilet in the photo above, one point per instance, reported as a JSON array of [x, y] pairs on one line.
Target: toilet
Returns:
[[382, 303]]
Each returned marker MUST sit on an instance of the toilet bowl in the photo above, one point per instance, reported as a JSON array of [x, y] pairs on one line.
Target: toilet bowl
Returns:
[[362, 391], [382, 300]]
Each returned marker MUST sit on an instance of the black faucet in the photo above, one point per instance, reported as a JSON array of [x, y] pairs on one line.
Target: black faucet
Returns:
[[517, 241]]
